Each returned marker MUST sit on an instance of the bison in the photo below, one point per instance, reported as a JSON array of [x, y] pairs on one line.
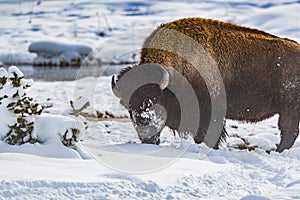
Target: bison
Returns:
[[259, 75]]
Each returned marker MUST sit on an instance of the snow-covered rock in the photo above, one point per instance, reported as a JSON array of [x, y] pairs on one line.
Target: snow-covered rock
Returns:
[[56, 53]]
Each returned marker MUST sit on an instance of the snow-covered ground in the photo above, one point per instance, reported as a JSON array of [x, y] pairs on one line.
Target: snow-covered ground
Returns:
[[122, 167], [222, 175]]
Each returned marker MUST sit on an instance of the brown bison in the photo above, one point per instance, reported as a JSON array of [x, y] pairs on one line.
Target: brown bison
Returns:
[[259, 75]]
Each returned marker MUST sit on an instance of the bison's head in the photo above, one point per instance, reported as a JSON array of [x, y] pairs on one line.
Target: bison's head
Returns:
[[140, 89]]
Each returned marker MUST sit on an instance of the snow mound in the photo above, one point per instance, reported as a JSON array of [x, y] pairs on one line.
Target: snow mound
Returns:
[[49, 130], [56, 53]]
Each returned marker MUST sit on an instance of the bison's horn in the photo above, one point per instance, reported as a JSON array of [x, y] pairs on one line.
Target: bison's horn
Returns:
[[165, 78], [114, 87]]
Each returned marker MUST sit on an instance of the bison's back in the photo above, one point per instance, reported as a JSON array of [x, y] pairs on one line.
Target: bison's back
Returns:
[[247, 60]]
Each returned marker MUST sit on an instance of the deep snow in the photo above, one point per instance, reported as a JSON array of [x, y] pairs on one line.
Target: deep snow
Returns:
[[124, 168], [184, 170]]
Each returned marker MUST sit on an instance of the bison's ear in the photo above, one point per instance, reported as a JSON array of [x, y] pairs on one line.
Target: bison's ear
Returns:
[[114, 81]]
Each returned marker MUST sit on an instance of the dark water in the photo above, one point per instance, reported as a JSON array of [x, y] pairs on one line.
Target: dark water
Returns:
[[68, 73]]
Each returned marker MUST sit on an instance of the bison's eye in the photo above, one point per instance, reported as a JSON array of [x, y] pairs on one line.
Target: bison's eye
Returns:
[[124, 104]]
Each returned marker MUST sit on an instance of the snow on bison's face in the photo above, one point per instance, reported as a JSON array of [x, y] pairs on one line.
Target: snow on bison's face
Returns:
[[140, 90]]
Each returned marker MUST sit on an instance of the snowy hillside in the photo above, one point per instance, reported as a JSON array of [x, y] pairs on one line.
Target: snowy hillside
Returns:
[[125, 24], [112, 164]]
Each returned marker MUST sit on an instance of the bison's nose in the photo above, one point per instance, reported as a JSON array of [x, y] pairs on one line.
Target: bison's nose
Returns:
[[148, 135], [153, 140]]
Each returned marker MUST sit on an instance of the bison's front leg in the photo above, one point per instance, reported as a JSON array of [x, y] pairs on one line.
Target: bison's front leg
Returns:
[[211, 127], [200, 137], [222, 137], [289, 127]]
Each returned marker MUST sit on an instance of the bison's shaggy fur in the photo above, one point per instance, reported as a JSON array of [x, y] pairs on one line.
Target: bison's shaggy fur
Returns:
[[260, 71]]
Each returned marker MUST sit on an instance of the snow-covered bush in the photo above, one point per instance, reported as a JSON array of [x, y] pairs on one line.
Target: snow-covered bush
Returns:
[[22, 120], [71, 135], [14, 98]]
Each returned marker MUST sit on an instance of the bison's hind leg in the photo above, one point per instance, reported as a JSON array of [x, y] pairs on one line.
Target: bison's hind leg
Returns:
[[289, 126]]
